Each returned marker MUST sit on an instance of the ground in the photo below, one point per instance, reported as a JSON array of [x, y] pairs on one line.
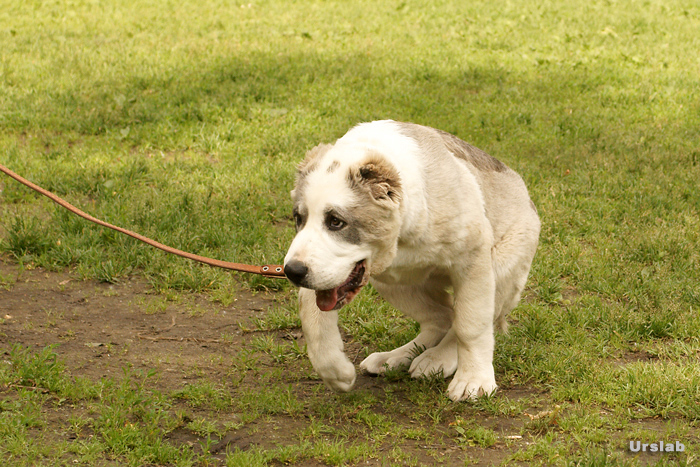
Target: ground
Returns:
[[99, 329], [104, 331]]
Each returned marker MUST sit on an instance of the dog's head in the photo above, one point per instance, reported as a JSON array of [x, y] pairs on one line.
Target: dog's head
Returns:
[[347, 202]]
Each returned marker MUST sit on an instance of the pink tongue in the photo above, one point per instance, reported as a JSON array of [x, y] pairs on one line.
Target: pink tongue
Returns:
[[327, 299]]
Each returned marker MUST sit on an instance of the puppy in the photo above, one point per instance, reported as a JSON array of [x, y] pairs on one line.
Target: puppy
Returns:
[[443, 231]]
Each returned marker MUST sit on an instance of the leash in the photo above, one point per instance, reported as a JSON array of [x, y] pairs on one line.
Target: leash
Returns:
[[267, 270]]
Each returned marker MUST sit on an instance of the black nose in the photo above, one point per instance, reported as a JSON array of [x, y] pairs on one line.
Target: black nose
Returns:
[[295, 271]]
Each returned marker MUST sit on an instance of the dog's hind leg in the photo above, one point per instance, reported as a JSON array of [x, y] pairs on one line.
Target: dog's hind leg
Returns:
[[511, 260], [474, 289], [512, 257], [509, 284], [430, 305]]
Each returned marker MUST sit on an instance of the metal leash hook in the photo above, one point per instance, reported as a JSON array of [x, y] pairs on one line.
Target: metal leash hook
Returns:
[[273, 271]]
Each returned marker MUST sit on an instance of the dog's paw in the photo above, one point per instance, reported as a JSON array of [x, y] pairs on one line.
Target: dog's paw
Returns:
[[379, 362], [467, 385], [334, 368], [336, 371], [434, 361]]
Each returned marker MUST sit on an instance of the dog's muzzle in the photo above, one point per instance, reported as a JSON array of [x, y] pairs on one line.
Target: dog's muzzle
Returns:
[[334, 298]]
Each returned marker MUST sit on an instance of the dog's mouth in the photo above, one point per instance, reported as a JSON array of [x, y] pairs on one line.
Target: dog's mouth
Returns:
[[333, 299]]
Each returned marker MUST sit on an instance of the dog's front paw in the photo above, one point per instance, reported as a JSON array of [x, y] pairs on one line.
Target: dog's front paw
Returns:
[[378, 362], [470, 385], [337, 373], [433, 361]]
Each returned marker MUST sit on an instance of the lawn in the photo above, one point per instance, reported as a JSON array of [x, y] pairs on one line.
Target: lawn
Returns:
[[184, 121]]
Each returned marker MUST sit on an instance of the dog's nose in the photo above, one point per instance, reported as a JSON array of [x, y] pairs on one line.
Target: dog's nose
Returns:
[[295, 271]]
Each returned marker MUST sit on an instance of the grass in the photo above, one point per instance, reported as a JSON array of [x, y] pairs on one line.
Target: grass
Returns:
[[184, 121], [127, 421]]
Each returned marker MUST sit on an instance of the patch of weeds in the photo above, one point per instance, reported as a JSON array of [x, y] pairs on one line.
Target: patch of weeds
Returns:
[[188, 277], [204, 427], [52, 317], [151, 305], [255, 457], [129, 422], [354, 401], [398, 456], [111, 292], [396, 374], [108, 271], [7, 281], [599, 458], [655, 388], [374, 322], [42, 370], [279, 352], [373, 420], [245, 360], [417, 434], [435, 383], [545, 450], [27, 237], [269, 400], [227, 294], [657, 326], [473, 434], [500, 405], [278, 318], [432, 405], [195, 311], [340, 452], [550, 291], [131, 419], [18, 416], [329, 452], [78, 423], [204, 394], [89, 451], [316, 428], [674, 350], [428, 395], [324, 408], [543, 422], [589, 427]]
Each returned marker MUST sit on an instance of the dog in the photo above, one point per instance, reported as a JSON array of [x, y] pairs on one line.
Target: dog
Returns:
[[443, 231]]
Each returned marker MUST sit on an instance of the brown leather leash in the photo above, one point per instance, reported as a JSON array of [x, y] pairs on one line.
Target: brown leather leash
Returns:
[[267, 270]]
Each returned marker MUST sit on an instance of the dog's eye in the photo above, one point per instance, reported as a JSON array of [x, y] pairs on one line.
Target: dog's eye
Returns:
[[334, 223]]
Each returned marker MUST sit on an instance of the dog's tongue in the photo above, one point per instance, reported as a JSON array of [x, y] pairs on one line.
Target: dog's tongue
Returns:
[[327, 299]]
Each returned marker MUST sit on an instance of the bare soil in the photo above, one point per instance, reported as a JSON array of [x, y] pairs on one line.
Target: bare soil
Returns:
[[99, 328]]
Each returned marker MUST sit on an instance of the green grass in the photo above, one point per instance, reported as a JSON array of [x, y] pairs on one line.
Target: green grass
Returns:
[[126, 421], [184, 121]]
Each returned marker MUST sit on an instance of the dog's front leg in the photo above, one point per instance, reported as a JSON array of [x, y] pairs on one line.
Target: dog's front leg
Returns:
[[473, 324], [324, 344]]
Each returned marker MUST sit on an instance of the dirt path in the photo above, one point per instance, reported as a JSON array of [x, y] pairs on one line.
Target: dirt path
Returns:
[[98, 328]]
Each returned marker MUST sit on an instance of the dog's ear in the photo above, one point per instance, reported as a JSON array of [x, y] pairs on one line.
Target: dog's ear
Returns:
[[380, 177], [312, 158]]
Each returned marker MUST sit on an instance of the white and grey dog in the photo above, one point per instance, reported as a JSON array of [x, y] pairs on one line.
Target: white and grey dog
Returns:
[[445, 233]]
